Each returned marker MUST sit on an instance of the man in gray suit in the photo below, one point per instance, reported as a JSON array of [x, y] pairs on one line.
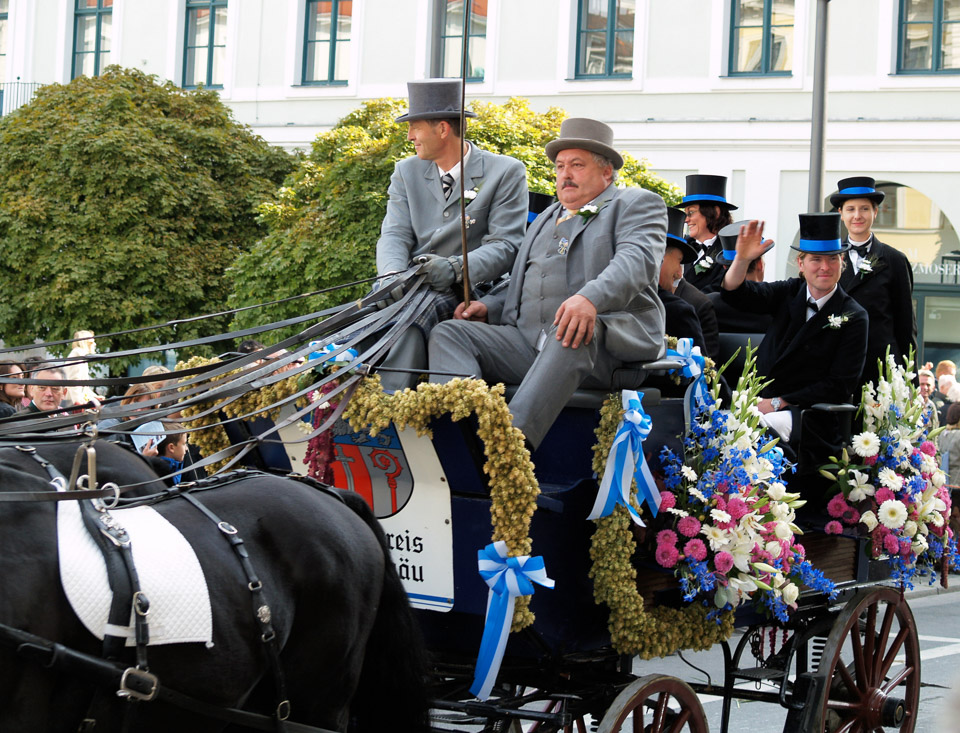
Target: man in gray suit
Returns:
[[422, 224], [582, 297]]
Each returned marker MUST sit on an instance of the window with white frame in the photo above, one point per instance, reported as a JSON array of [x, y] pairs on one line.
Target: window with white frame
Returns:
[[326, 43], [205, 43], [605, 31], [761, 37], [92, 31], [929, 37], [449, 39]]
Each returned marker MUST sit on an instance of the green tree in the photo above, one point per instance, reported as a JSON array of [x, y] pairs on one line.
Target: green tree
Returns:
[[325, 221], [122, 201]]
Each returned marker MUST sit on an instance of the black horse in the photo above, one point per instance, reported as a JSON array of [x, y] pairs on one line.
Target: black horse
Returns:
[[349, 644]]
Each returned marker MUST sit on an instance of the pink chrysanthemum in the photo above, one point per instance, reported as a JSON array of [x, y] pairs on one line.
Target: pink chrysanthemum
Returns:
[[833, 527], [723, 562], [837, 506], [851, 516], [929, 448], [667, 555], [689, 526], [883, 495], [667, 537], [736, 508], [667, 500], [891, 545], [695, 549], [870, 460]]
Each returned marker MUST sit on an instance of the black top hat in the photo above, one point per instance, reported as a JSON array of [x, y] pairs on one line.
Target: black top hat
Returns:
[[858, 187], [434, 99], [728, 240], [585, 134], [675, 238], [820, 234], [707, 190]]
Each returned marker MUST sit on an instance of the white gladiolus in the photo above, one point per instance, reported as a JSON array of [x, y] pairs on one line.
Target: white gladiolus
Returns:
[[783, 531], [773, 549], [776, 491], [909, 528], [919, 544]]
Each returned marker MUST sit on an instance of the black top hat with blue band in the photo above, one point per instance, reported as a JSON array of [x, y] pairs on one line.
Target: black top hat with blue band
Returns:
[[820, 234], [704, 189], [858, 187], [728, 240], [675, 238]]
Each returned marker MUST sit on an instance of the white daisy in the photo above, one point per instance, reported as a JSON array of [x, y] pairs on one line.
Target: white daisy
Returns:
[[715, 536], [889, 478], [892, 514], [688, 473], [866, 444], [719, 516]]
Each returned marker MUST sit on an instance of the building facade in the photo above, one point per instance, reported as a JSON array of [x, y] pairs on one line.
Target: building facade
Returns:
[[710, 86]]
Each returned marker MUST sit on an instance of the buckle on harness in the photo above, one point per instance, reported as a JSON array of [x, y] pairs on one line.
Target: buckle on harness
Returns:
[[138, 684], [283, 710]]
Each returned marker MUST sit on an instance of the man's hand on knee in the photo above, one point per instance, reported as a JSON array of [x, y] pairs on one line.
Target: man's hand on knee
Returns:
[[575, 320], [476, 312]]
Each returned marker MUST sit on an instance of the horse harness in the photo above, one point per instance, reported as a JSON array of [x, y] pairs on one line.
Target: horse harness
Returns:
[[137, 684]]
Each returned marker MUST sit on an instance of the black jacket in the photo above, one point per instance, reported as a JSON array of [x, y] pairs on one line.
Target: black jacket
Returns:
[[886, 294], [681, 320], [708, 318], [707, 279], [732, 320]]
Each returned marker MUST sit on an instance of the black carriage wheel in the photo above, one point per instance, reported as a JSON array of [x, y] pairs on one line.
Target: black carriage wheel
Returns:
[[657, 704], [864, 686]]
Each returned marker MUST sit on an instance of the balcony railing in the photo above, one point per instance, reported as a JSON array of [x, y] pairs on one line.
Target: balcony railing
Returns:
[[15, 94]]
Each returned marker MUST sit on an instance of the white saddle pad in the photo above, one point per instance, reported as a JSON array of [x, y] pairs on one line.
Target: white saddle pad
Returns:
[[170, 576]]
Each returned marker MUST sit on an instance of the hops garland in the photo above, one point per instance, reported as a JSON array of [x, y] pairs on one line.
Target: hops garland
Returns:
[[658, 631], [513, 487], [212, 437]]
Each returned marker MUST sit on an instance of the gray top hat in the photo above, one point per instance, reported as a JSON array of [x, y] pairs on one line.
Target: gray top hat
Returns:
[[585, 134], [433, 99]]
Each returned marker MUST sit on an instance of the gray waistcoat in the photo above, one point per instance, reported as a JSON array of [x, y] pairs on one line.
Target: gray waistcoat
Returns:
[[545, 281]]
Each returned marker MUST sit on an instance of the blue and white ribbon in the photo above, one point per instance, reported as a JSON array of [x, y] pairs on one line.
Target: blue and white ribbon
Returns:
[[626, 463], [693, 365], [508, 577], [325, 354]]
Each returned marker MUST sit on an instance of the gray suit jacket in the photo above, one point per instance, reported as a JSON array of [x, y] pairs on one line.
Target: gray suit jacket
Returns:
[[613, 261], [419, 220]]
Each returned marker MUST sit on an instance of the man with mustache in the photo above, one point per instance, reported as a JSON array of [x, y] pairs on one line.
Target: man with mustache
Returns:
[[582, 297]]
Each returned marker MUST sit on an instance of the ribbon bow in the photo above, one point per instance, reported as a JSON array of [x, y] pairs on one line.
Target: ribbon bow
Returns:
[[508, 577], [325, 354], [626, 462], [693, 365]]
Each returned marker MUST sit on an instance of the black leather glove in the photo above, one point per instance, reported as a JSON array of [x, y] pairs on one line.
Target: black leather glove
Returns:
[[440, 272]]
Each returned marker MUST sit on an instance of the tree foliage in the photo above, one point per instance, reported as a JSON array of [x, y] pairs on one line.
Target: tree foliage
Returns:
[[325, 221], [122, 201]]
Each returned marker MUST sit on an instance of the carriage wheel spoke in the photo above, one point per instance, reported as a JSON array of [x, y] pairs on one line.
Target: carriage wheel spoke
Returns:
[[851, 707], [882, 637], [858, 661], [661, 711], [681, 720], [898, 679], [848, 679], [870, 635], [898, 641], [847, 725]]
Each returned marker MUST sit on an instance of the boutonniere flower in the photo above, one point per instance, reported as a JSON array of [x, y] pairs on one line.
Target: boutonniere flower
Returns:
[[703, 264], [588, 211], [471, 194], [866, 265], [835, 321]]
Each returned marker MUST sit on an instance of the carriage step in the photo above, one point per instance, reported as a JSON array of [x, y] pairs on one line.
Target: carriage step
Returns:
[[760, 674]]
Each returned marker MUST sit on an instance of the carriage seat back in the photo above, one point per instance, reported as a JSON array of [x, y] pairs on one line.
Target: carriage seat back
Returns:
[[729, 343]]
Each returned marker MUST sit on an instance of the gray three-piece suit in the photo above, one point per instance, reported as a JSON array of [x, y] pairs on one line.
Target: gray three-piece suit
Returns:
[[613, 259]]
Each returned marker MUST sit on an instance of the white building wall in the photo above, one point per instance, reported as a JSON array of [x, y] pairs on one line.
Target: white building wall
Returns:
[[679, 110]]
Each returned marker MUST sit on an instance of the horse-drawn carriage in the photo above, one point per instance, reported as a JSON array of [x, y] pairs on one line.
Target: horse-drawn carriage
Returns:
[[453, 474]]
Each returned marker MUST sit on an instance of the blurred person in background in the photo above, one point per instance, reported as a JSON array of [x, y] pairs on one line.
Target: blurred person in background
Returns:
[[11, 395]]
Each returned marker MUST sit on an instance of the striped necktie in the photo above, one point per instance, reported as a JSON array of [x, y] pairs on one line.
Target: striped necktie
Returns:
[[446, 180]]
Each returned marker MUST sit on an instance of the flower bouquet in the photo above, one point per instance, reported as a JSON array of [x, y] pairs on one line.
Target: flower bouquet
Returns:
[[892, 488], [732, 535]]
